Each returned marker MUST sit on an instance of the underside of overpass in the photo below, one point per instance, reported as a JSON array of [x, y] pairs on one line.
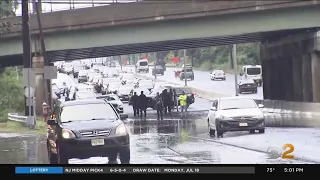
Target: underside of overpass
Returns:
[[74, 54], [166, 35]]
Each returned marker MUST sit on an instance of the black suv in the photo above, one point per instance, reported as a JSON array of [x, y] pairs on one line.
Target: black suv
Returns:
[[247, 85], [87, 128]]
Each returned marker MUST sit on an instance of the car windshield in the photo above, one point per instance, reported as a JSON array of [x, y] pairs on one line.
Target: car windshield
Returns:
[[112, 98], [85, 95], [125, 90], [145, 83], [115, 84], [128, 77], [253, 71], [143, 63], [226, 104], [87, 112]]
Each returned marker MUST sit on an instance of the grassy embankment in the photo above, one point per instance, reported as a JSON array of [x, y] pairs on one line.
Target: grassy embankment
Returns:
[[12, 100]]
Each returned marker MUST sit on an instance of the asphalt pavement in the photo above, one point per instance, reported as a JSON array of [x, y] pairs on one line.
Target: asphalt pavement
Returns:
[[202, 81], [176, 141], [180, 142]]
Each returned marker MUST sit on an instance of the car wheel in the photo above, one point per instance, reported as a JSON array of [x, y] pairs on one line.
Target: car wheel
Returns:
[[79, 81], [219, 132], [112, 158], [224, 79], [212, 132], [51, 156], [124, 156], [252, 131], [62, 157], [240, 92], [261, 131]]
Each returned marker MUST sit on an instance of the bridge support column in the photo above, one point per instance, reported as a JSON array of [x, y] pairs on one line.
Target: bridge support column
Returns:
[[40, 89], [297, 78], [315, 64], [307, 95], [292, 67]]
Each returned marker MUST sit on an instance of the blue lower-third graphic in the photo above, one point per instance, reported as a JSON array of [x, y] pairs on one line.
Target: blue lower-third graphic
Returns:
[[39, 170]]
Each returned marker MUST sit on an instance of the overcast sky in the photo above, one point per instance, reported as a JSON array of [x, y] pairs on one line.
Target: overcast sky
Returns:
[[60, 5]]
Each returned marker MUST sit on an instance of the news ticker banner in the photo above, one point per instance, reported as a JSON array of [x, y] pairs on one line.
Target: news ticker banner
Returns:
[[183, 169], [133, 170]]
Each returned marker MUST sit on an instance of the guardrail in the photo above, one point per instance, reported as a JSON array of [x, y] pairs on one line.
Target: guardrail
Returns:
[[29, 122], [16, 117]]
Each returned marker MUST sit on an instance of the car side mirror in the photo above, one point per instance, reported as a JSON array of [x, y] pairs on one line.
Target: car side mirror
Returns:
[[51, 122], [213, 109], [124, 116], [260, 105]]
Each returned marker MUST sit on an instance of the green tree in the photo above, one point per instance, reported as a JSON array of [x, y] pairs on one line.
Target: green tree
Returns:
[[8, 7]]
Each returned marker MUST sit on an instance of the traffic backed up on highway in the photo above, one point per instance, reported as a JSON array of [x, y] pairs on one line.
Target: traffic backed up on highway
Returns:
[[87, 128]]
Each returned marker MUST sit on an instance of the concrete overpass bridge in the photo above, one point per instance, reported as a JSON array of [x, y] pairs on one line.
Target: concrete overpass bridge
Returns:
[[148, 27], [287, 31]]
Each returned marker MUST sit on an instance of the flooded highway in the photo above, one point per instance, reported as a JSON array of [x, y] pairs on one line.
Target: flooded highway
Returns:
[[176, 141]]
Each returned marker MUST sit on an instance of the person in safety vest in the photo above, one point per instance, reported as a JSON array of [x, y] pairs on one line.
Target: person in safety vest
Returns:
[[183, 104], [45, 111]]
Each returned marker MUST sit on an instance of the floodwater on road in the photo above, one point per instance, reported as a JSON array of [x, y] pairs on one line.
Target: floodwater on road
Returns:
[[176, 141]]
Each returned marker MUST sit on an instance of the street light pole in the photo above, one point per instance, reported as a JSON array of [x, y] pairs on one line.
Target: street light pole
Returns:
[[185, 68], [235, 66]]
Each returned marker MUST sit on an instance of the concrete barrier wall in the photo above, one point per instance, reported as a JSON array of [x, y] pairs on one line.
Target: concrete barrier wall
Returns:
[[278, 113]]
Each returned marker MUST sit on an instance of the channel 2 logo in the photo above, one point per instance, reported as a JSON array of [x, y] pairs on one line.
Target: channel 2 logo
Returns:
[[275, 152]]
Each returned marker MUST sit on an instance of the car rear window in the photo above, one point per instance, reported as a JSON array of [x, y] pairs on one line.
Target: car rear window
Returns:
[[85, 112], [180, 90]]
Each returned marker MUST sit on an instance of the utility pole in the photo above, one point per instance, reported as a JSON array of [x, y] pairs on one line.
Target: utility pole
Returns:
[[44, 55], [185, 68], [155, 65], [27, 63], [235, 66]]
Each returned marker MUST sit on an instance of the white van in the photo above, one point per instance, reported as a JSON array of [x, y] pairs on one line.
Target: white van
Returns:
[[143, 65], [253, 72]]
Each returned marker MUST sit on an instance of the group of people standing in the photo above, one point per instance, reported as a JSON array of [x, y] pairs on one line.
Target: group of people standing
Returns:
[[139, 104], [164, 102]]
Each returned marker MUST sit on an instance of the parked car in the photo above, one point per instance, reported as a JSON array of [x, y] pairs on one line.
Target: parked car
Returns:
[[87, 128], [235, 114]]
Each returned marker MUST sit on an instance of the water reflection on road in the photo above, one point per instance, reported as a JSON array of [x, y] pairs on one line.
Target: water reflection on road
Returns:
[[152, 142]]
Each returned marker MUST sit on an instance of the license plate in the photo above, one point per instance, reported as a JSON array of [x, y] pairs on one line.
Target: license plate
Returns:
[[243, 124], [97, 142]]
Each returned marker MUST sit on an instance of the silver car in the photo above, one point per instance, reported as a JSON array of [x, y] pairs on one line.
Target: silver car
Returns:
[[235, 114], [218, 74]]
